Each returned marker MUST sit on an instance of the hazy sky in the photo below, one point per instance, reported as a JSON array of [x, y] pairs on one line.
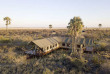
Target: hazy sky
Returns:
[[41, 13]]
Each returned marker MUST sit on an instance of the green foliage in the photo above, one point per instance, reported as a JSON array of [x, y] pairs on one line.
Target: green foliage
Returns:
[[75, 26], [8, 21]]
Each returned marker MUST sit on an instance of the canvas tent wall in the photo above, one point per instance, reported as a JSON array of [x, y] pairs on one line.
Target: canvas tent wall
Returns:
[[52, 43], [47, 44]]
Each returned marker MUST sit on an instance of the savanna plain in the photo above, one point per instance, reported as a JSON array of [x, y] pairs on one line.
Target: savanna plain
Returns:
[[13, 44]]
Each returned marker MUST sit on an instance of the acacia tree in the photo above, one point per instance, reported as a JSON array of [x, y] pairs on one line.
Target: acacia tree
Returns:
[[50, 26], [100, 25], [75, 28], [8, 21]]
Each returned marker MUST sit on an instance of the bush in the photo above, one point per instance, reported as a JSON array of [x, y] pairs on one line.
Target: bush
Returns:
[[102, 46], [97, 60], [5, 40], [40, 37], [47, 71], [105, 68], [79, 64]]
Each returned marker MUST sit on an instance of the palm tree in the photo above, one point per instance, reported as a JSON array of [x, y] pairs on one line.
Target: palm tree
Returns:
[[8, 21], [50, 26], [74, 28], [100, 25]]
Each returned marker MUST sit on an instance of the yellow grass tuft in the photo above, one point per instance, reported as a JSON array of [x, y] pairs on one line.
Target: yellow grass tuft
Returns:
[[20, 60]]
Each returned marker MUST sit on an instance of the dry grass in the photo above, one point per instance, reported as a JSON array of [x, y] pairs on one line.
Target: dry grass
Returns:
[[12, 59], [105, 68]]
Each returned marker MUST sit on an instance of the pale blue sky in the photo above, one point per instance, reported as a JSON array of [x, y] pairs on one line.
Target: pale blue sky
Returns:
[[41, 13]]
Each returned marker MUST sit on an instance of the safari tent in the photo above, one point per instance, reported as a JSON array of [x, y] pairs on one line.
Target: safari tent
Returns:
[[46, 45]]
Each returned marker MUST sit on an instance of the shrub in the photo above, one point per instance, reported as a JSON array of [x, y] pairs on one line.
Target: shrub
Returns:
[[97, 60], [5, 40], [105, 68], [47, 71], [102, 46], [40, 37], [79, 64]]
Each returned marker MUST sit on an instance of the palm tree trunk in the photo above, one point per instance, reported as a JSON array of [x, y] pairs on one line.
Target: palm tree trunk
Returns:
[[72, 38], [6, 28], [75, 36], [74, 44], [6, 25], [80, 52]]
